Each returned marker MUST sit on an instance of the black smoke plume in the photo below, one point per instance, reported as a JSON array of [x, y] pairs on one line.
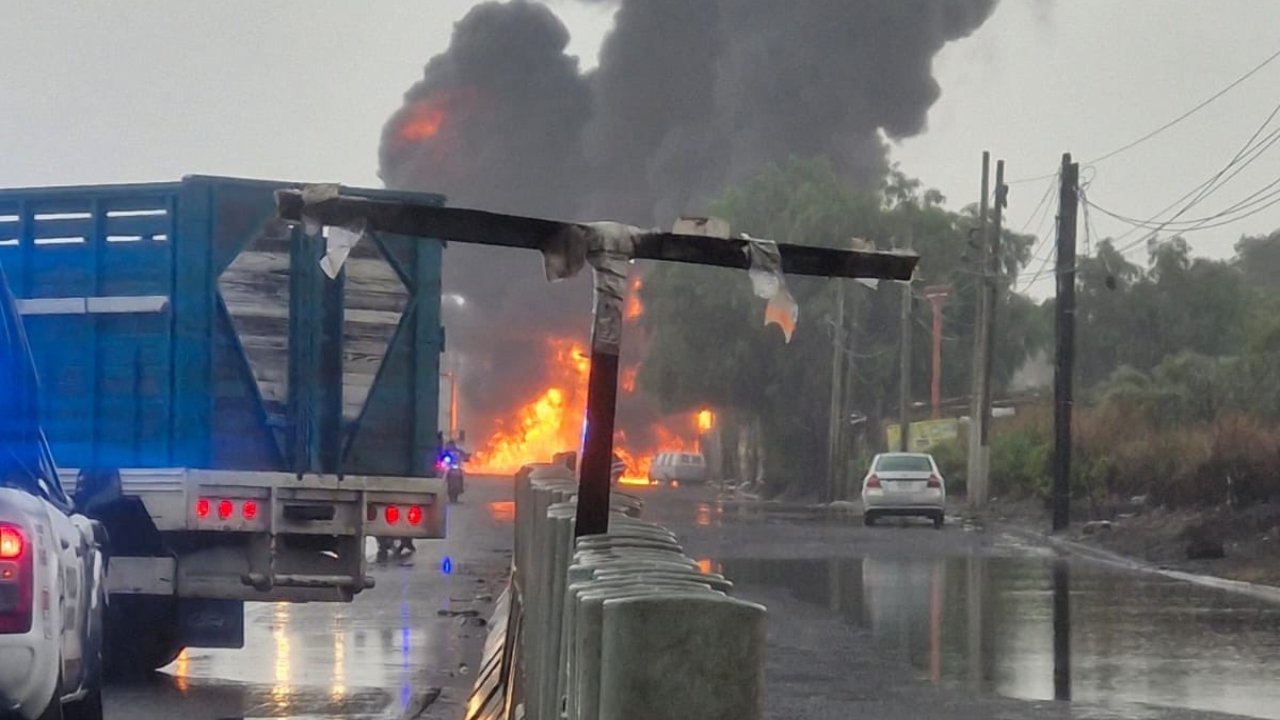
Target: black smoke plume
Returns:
[[690, 96]]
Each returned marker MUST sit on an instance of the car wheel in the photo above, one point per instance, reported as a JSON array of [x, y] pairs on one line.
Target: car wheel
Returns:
[[869, 519], [938, 520], [53, 711]]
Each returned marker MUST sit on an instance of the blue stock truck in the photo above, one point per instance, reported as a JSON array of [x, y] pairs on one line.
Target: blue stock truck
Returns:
[[251, 419]]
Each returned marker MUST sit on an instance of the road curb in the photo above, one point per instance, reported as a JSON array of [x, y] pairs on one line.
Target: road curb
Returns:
[[1269, 593]]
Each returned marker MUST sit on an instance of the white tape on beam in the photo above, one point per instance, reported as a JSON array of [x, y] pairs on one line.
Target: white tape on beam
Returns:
[[111, 305]]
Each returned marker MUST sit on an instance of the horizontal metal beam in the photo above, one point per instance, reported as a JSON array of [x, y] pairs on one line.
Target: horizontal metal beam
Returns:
[[404, 217], [111, 305]]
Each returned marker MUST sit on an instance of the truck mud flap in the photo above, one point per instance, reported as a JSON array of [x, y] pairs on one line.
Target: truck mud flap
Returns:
[[211, 623]]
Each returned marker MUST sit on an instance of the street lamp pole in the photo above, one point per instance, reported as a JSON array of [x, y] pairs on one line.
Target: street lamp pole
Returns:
[[608, 248]]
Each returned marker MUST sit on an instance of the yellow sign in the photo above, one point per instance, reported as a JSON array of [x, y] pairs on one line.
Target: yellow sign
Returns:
[[926, 434]]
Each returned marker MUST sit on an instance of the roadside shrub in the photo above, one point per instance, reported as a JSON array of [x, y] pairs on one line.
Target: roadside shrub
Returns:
[[1021, 450], [952, 457], [1243, 461]]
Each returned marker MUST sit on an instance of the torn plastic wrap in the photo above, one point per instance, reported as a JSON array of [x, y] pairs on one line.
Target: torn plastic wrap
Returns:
[[769, 283], [608, 247], [313, 195], [338, 246], [340, 240]]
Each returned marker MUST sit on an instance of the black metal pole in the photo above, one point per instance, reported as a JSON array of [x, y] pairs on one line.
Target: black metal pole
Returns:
[[1061, 630], [609, 273], [1065, 328], [597, 447]]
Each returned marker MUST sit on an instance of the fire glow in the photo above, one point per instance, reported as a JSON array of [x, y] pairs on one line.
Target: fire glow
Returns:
[[553, 419], [423, 122]]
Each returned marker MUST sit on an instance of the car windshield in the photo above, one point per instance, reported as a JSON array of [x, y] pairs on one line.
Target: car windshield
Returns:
[[904, 463]]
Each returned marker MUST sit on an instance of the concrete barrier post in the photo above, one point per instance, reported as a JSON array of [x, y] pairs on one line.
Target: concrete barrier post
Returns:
[[680, 656]]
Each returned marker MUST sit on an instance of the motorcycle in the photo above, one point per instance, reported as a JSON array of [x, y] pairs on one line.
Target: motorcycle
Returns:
[[454, 477]]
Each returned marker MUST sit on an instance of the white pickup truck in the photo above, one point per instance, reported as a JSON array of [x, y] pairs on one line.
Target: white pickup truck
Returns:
[[52, 602]]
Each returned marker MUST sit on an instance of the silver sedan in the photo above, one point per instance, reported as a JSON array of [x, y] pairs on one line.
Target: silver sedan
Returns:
[[904, 484]]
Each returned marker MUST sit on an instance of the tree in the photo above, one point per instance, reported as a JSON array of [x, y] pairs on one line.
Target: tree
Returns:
[[708, 345]]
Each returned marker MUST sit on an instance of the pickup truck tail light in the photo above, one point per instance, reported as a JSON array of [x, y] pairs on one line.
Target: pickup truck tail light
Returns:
[[935, 482], [17, 578], [873, 481]]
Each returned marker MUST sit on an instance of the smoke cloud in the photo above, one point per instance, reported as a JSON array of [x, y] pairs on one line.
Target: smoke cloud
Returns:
[[688, 98]]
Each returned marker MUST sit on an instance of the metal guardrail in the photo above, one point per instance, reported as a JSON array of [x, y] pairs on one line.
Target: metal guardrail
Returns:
[[619, 626]]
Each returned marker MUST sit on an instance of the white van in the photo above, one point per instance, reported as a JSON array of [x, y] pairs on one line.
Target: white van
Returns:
[[678, 467]]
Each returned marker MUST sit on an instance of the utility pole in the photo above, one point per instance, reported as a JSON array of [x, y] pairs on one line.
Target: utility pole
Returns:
[[977, 474], [835, 428], [904, 379], [936, 294], [1065, 327], [991, 290]]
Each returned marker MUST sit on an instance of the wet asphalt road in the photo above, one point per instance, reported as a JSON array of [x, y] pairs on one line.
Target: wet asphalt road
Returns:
[[904, 621], [383, 656], [901, 621]]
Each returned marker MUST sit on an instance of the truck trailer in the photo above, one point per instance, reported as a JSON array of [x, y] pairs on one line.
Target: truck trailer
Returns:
[[239, 419]]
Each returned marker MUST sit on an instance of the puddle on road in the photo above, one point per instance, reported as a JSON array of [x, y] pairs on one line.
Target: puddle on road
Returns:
[[987, 623]]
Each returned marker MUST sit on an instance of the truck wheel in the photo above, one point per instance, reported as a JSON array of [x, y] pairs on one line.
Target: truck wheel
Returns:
[[141, 635]]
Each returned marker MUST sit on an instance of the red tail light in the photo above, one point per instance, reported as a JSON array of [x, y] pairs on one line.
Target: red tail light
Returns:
[[415, 515], [203, 508], [393, 514], [11, 543], [225, 509], [873, 482], [16, 580], [249, 509], [935, 481]]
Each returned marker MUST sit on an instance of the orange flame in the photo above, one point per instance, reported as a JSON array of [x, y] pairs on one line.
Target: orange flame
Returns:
[[423, 122], [633, 307], [547, 424], [552, 421], [706, 421]]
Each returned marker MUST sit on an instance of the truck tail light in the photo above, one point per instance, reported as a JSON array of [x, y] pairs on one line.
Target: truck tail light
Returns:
[[414, 515], [392, 513], [935, 482], [203, 508], [16, 580], [873, 481], [225, 509], [249, 509]]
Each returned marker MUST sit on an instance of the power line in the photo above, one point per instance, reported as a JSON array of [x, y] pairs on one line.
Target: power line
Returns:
[[1203, 190], [1132, 144]]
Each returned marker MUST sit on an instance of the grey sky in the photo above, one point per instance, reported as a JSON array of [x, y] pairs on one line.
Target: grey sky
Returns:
[[142, 90]]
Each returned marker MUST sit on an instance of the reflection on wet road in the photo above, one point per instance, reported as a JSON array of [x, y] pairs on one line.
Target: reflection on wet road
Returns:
[[373, 658], [987, 623]]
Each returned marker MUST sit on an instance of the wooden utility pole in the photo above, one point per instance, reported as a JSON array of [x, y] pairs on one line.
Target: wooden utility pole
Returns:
[[977, 474], [936, 294], [991, 285], [904, 372], [835, 427], [1065, 327]]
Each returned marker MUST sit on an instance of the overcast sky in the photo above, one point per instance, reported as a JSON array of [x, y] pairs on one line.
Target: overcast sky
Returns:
[[148, 90]]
